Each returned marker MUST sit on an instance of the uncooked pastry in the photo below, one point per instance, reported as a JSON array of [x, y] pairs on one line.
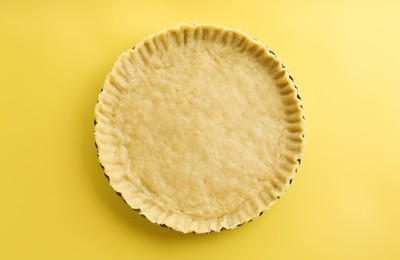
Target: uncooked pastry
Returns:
[[199, 127]]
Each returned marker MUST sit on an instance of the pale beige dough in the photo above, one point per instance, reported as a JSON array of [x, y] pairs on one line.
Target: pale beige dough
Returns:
[[199, 128]]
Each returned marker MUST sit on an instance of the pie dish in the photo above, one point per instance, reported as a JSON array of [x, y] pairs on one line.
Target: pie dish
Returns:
[[199, 128]]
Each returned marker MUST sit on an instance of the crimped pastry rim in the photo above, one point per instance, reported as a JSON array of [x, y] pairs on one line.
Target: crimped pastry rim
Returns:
[[295, 126]]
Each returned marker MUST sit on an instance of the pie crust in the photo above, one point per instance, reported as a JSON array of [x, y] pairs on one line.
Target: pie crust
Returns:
[[199, 127]]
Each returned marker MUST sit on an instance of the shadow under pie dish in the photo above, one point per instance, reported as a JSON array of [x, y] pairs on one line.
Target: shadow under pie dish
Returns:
[[199, 127]]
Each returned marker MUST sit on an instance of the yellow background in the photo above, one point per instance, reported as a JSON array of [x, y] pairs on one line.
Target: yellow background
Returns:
[[56, 203]]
